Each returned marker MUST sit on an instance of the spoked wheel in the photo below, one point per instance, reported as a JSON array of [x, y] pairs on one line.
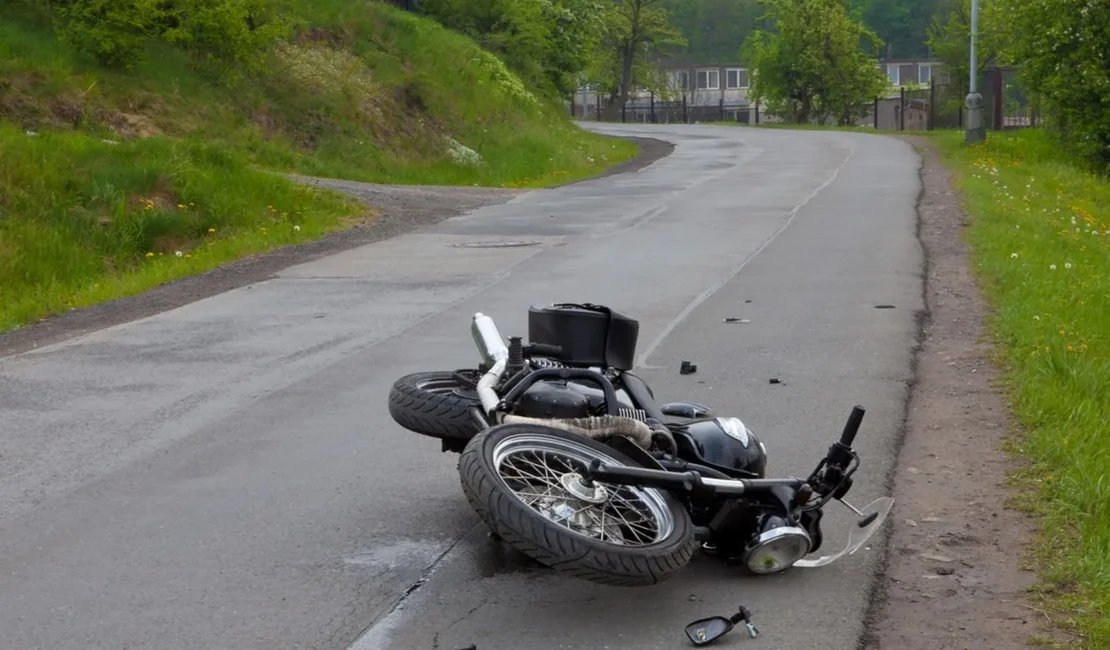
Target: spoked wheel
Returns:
[[526, 482], [436, 404]]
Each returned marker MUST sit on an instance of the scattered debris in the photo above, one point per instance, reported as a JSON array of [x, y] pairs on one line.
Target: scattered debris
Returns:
[[775, 380], [884, 306], [737, 320], [687, 368], [747, 302], [945, 570], [911, 522], [936, 558]]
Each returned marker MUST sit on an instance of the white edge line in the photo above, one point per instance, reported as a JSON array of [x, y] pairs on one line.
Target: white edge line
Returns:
[[703, 296]]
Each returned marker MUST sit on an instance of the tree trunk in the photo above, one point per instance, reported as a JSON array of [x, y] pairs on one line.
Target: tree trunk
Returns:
[[628, 56]]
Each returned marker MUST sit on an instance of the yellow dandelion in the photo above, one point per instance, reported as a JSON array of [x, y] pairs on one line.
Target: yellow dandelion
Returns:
[[181, 206], [211, 230], [150, 254]]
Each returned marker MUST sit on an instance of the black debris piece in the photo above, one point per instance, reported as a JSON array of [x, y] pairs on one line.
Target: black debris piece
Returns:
[[687, 368]]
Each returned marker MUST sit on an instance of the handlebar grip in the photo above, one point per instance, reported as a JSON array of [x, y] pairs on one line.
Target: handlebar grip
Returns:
[[545, 350], [851, 428]]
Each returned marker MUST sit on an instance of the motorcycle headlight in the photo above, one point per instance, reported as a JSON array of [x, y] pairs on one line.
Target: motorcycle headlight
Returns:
[[779, 545]]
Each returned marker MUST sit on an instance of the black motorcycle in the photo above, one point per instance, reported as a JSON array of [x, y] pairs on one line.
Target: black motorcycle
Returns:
[[568, 457]]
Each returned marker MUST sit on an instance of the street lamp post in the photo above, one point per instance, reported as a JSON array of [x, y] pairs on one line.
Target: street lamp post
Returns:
[[975, 130]]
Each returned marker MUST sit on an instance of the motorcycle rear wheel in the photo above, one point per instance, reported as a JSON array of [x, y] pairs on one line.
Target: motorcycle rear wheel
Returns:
[[514, 476], [436, 404]]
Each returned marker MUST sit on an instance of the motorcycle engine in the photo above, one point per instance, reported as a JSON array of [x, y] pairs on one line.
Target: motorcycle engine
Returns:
[[551, 400]]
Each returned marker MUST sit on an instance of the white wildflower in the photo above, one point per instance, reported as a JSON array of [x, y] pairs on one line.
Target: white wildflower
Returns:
[[1067, 265], [1013, 256], [1052, 267], [461, 154], [178, 253], [297, 228]]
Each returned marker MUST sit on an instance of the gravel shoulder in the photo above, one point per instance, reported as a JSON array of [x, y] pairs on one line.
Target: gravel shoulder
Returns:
[[954, 579], [400, 209]]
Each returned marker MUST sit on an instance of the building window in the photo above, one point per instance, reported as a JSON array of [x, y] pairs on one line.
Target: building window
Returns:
[[682, 80], [736, 78], [892, 74], [924, 74], [709, 79]]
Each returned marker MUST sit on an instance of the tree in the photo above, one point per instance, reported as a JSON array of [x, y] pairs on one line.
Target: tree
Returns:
[[636, 32], [1064, 47], [811, 62], [714, 29], [950, 38], [902, 24], [548, 42]]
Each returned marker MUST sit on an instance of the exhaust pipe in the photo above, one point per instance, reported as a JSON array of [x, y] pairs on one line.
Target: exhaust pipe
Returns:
[[495, 354]]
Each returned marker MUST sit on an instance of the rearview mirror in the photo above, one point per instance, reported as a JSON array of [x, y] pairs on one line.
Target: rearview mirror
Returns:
[[708, 630]]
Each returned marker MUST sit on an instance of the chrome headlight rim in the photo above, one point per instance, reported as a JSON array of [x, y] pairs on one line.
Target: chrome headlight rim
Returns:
[[772, 535]]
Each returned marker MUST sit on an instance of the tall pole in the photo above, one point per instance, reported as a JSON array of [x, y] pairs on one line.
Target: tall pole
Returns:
[[975, 130]]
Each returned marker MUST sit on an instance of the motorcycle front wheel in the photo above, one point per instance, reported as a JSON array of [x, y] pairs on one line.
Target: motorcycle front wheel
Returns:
[[524, 480]]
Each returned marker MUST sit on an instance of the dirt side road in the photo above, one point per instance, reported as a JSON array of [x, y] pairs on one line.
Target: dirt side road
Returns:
[[954, 580]]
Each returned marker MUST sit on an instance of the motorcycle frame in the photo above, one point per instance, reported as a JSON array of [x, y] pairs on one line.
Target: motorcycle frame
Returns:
[[725, 509]]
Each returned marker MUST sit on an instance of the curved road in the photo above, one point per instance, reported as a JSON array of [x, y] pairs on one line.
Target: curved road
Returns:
[[225, 475]]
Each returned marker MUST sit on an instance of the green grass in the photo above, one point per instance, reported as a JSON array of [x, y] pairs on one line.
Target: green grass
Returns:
[[1041, 240], [360, 91], [95, 221]]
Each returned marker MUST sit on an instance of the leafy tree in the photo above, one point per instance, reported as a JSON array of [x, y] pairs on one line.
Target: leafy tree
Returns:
[[950, 38], [636, 33], [1064, 46], [548, 42], [902, 24], [714, 29], [811, 62]]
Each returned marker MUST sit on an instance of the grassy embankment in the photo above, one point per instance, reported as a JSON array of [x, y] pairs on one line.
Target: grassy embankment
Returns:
[[105, 176], [1041, 238]]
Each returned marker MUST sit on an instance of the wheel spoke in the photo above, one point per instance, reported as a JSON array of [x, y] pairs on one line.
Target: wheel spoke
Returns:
[[533, 469]]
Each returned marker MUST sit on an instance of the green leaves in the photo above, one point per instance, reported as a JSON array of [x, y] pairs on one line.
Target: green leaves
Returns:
[[548, 42], [811, 63], [1064, 46]]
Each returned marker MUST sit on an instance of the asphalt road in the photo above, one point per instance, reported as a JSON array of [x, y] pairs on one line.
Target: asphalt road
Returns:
[[225, 475]]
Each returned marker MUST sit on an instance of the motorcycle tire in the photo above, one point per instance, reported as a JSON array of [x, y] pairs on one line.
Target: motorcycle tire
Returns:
[[435, 404], [557, 546]]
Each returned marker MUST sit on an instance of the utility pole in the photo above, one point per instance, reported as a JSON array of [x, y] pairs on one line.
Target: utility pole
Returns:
[[975, 130]]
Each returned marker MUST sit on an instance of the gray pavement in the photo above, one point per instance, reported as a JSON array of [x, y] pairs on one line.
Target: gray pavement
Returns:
[[225, 475]]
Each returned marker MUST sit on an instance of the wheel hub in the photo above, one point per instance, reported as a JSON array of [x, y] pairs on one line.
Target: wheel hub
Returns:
[[573, 483]]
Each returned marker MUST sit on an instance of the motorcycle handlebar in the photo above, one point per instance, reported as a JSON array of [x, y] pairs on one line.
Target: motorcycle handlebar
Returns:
[[851, 428], [544, 350]]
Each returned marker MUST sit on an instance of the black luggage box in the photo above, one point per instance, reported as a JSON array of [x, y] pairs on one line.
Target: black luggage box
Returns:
[[589, 335]]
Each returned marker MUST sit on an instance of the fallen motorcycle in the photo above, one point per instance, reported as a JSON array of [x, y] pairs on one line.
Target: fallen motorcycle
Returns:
[[567, 457]]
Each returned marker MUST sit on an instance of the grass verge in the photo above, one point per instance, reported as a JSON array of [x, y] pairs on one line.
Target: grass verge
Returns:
[[1040, 233], [92, 221], [359, 90]]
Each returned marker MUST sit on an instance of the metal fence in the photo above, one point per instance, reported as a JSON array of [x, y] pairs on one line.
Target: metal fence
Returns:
[[939, 105]]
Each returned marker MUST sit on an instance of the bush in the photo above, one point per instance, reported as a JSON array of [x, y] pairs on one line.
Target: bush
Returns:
[[229, 34], [113, 31], [1063, 45]]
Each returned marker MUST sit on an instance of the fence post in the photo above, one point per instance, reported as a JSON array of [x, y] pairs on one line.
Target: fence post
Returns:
[[624, 112], [932, 102], [722, 104], [653, 107], [598, 97], [999, 99], [875, 114], [757, 112], [902, 112], [685, 115]]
